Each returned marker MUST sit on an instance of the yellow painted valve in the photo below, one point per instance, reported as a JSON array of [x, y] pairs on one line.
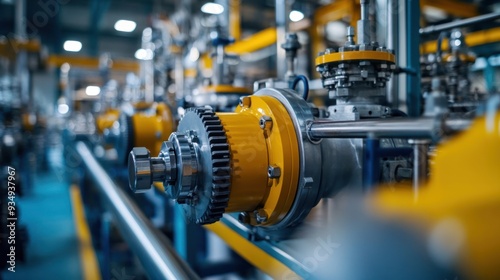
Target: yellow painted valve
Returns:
[[149, 126]]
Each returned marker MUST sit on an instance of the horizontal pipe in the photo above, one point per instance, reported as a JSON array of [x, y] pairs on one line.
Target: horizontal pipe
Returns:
[[424, 128], [458, 23], [153, 250], [409, 128]]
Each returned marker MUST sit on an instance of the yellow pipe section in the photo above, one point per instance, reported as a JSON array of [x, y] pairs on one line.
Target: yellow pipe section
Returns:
[[9, 47], [455, 8], [235, 19], [472, 39], [259, 40], [92, 62], [253, 254]]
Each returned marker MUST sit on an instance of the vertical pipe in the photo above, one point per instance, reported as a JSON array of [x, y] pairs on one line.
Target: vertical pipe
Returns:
[[179, 78], [20, 20], [22, 73], [282, 11], [147, 65], [420, 164], [235, 19], [392, 44], [413, 57], [371, 164], [364, 36]]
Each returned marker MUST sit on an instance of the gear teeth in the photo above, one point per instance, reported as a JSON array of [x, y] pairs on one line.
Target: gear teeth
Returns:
[[221, 165]]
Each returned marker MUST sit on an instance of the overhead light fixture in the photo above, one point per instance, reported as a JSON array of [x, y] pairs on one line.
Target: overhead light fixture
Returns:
[[296, 16], [125, 25], [212, 8], [63, 109], [194, 54], [92, 90], [72, 46], [143, 54]]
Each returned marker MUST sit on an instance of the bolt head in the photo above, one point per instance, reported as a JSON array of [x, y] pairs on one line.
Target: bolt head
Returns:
[[243, 218], [260, 216], [273, 171], [139, 170], [245, 101], [266, 122]]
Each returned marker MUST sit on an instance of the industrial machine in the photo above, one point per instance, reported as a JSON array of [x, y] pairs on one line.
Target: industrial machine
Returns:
[[268, 171], [271, 160]]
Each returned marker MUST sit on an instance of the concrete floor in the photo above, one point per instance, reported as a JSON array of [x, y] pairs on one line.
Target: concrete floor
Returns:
[[52, 249]]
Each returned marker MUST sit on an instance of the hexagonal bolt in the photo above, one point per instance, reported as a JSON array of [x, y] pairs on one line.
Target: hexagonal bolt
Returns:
[[245, 101], [273, 171], [139, 169], [260, 216], [266, 122], [244, 218]]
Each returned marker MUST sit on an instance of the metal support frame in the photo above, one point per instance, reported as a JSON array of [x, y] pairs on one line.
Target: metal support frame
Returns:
[[371, 161], [420, 164], [97, 10]]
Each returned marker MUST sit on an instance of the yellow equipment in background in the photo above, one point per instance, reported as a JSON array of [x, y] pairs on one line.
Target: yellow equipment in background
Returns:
[[460, 205], [151, 128], [106, 120]]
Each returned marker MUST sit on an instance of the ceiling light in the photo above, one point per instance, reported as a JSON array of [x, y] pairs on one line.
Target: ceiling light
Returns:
[[125, 25], [212, 8], [143, 54], [72, 46], [194, 54], [92, 90], [63, 109], [296, 16]]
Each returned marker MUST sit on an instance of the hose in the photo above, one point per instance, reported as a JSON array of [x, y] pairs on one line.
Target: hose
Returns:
[[304, 80]]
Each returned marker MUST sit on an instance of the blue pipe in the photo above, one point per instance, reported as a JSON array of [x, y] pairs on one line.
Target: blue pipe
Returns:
[[305, 82]]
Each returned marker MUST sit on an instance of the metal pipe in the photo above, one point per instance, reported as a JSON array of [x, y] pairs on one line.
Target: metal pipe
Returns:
[[392, 43], [422, 128], [154, 251], [283, 9], [20, 21], [409, 128], [458, 23], [364, 24], [413, 82], [420, 164]]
